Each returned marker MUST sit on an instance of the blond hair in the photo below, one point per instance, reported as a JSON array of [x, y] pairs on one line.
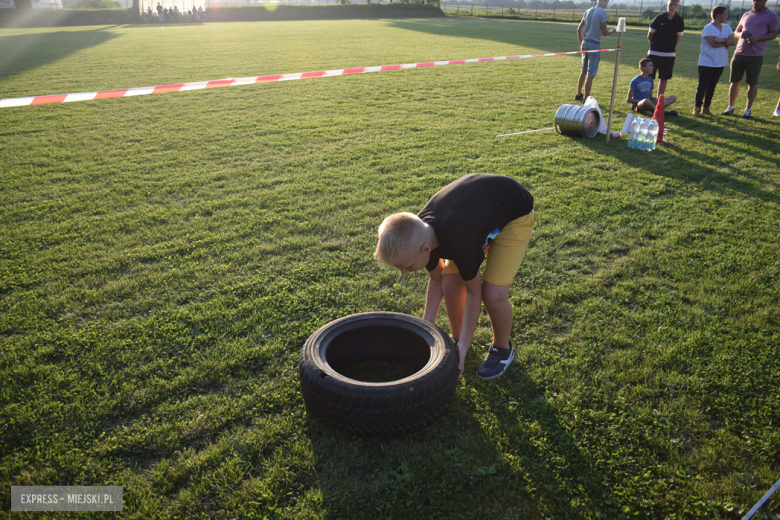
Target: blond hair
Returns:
[[398, 233]]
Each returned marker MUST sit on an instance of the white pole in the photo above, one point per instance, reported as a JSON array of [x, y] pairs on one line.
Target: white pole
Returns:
[[621, 28]]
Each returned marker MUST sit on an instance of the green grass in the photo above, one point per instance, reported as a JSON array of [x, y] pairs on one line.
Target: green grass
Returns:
[[163, 258]]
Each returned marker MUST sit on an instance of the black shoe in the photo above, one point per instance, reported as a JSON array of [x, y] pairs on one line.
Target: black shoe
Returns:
[[670, 112], [578, 97], [496, 362], [728, 112]]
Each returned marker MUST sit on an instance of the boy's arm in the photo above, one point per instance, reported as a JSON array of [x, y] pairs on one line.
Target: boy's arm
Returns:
[[434, 295], [579, 30], [470, 318], [630, 98], [651, 30], [605, 31], [680, 31]]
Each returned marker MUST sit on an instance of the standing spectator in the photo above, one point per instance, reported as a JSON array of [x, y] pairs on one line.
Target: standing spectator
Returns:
[[592, 27], [160, 13], [665, 33], [176, 13], [756, 27], [202, 14], [776, 113], [195, 12], [716, 38], [148, 17]]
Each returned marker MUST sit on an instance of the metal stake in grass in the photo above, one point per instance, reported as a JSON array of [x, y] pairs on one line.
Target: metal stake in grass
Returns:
[[761, 502], [527, 132], [621, 28]]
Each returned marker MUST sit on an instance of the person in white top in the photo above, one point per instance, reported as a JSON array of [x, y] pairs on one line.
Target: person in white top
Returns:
[[776, 113], [716, 38]]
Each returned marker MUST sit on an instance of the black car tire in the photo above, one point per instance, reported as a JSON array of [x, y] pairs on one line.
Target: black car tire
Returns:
[[378, 409]]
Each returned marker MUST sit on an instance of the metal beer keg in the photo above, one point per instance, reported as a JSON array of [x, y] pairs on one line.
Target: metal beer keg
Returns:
[[577, 121]]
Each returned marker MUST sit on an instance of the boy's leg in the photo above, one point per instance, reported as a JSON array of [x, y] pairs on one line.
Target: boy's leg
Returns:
[[504, 257], [662, 68], [646, 105], [503, 261], [669, 100], [588, 85], [590, 65], [496, 300], [581, 82], [662, 86]]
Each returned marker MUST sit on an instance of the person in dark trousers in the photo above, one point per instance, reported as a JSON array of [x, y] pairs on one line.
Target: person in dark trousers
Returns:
[[776, 113], [716, 38]]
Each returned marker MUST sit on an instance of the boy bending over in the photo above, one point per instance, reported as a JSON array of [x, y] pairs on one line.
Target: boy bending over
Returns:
[[640, 93], [476, 217]]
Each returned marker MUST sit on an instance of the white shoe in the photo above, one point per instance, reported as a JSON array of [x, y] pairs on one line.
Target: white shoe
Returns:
[[776, 113]]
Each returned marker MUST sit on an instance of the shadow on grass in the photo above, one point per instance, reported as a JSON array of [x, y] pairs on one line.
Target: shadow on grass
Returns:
[[712, 172], [522, 33], [24, 52], [490, 455]]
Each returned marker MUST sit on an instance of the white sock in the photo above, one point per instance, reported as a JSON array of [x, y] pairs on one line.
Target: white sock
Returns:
[[731, 107], [747, 111]]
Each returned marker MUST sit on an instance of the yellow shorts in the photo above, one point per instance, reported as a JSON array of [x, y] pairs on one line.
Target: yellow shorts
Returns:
[[505, 253]]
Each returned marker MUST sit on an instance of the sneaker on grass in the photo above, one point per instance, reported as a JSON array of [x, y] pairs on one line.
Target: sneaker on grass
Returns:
[[776, 113], [728, 112], [496, 362]]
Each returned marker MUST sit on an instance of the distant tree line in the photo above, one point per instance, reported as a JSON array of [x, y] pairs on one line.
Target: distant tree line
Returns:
[[91, 4], [542, 4], [650, 8]]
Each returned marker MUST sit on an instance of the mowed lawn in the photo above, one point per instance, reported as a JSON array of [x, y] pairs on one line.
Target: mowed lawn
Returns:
[[163, 258]]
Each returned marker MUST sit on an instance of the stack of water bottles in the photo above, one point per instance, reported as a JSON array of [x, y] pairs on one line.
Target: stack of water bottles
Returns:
[[644, 134]]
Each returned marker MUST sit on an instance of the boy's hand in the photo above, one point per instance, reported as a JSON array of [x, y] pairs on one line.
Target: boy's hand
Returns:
[[462, 350]]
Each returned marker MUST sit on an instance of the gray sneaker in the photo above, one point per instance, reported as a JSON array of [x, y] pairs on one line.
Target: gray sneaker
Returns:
[[496, 362]]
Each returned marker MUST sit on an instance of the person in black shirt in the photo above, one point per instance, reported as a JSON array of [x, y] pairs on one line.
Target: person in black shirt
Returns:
[[476, 217], [665, 33]]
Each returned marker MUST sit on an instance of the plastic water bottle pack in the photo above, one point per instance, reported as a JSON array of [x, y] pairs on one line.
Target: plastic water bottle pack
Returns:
[[644, 134]]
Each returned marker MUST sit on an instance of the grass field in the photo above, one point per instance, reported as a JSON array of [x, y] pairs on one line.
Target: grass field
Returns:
[[163, 259]]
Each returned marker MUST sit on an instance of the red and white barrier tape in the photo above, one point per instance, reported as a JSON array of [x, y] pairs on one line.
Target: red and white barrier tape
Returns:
[[230, 82]]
